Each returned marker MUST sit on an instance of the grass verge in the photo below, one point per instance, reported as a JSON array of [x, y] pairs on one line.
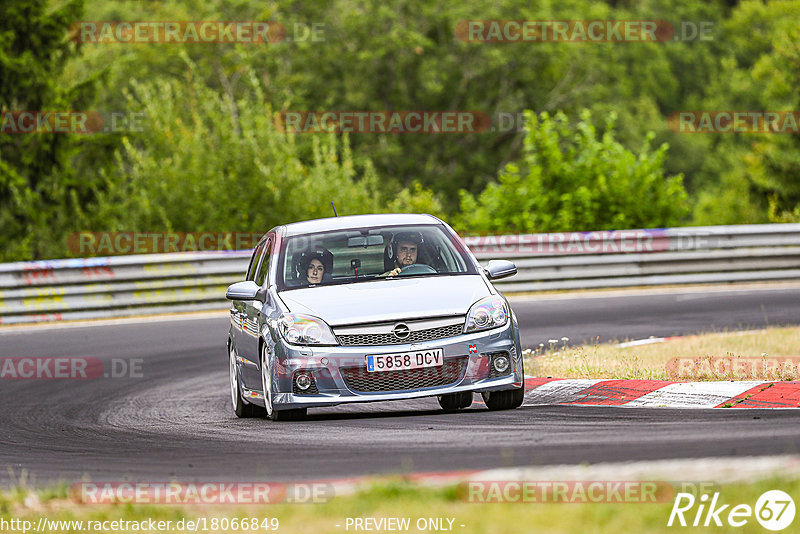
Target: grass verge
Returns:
[[771, 354], [407, 500]]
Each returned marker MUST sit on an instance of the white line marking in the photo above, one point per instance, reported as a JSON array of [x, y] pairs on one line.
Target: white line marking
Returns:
[[135, 319], [721, 470], [558, 391], [575, 294], [638, 342], [693, 394]]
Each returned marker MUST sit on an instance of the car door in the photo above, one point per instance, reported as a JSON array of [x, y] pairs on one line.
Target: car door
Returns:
[[252, 308], [239, 307]]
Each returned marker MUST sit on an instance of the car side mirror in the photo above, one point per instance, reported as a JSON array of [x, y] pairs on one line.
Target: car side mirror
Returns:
[[497, 269], [247, 290], [262, 294]]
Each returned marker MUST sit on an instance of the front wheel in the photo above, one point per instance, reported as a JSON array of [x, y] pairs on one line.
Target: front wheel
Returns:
[[240, 408], [267, 383], [455, 401], [504, 400]]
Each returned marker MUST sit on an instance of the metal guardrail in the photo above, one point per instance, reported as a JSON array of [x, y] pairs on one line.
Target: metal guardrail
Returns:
[[117, 286]]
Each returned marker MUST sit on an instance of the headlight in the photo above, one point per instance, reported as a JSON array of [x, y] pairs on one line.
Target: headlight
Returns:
[[490, 312], [300, 329]]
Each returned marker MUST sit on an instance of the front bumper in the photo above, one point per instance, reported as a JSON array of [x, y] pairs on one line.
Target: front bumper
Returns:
[[340, 374]]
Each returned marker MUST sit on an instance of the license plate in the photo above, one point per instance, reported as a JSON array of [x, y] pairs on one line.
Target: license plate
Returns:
[[401, 361]]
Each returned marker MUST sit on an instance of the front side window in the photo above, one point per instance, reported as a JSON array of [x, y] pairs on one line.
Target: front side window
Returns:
[[254, 261], [263, 268], [367, 254]]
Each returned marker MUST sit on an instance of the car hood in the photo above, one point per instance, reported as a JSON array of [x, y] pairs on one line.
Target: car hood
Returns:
[[388, 300]]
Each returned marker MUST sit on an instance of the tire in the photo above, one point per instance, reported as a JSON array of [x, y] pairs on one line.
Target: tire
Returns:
[[455, 401], [295, 414], [266, 381], [240, 407], [504, 400]]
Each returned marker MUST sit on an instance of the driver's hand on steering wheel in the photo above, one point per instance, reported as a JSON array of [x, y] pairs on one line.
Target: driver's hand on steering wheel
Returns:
[[393, 272]]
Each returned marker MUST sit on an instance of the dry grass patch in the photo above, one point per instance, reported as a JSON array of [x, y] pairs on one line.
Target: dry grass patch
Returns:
[[771, 354]]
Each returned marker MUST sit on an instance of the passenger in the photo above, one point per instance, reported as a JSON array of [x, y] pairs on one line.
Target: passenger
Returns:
[[314, 271], [314, 267]]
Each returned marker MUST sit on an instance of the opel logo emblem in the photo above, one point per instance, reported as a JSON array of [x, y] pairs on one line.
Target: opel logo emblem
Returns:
[[401, 331]]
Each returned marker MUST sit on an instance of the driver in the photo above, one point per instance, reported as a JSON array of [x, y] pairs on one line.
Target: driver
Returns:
[[402, 251]]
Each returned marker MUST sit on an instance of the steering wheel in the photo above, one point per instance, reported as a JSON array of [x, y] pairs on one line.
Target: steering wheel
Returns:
[[416, 268]]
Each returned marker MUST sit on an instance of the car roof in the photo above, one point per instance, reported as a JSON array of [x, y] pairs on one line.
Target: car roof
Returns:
[[354, 221]]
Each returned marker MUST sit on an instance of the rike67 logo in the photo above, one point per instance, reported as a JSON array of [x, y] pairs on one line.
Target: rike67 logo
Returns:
[[774, 510]]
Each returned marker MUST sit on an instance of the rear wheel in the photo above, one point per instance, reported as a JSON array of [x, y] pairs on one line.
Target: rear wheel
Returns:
[[455, 401], [240, 407], [266, 379], [504, 400]]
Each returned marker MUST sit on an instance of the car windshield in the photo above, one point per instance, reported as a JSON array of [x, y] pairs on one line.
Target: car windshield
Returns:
[[366, 254]]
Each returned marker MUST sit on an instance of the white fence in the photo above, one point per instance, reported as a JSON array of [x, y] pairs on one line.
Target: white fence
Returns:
[[155, 283]]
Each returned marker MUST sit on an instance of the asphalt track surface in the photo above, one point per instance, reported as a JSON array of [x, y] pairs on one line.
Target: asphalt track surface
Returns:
[[175, 422]]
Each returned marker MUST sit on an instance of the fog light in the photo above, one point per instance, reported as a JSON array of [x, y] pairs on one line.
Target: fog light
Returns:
[[500, 363], [303, 381]]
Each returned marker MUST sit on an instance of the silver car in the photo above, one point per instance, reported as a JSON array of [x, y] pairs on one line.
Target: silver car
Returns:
[[370, 308]]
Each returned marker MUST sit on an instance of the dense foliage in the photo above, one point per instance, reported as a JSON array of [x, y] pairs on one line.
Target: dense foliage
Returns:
[[39, 190], [208, 162], [568, 179], [208, 155]]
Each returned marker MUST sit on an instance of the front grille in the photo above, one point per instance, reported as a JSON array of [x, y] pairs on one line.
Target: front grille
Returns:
[[360, 380], [417, 336]]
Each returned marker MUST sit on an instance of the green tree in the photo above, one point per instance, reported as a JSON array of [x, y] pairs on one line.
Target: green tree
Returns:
[[773, 161], [39, 191], [206, 161], [407, 55], [573, 178]]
